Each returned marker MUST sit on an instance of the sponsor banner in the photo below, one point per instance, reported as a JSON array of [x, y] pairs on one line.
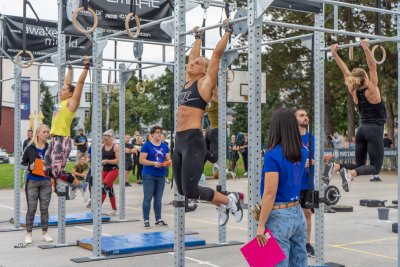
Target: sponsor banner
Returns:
[[112, 14], [38, 41]]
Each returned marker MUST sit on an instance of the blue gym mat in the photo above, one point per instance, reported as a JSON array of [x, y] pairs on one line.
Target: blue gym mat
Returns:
[[69, 219], [125, 244]]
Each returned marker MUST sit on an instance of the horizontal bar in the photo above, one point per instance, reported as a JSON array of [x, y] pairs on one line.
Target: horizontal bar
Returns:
[[4, 80], [138, 61], [355, 6], [140, 41], [300, 37], [214, 26], [209, 2], [40, 58], [338, 32], [352, 45], [7, 55], [145, 26], [55, 81]]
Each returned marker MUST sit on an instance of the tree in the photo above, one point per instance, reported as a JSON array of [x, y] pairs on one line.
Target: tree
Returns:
[[46, 104]]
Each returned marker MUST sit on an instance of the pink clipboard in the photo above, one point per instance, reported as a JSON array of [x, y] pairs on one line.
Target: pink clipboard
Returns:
[[267, 256]]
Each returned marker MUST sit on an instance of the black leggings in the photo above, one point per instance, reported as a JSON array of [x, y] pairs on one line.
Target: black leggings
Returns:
[[211, 139], [369, 141], [188, 163]]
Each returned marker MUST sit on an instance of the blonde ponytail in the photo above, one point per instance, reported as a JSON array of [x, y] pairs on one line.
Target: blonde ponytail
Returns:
[[353, 81], [356, 78]]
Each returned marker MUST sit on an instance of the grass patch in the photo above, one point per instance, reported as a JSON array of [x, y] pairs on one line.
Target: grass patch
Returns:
[[7, 173]]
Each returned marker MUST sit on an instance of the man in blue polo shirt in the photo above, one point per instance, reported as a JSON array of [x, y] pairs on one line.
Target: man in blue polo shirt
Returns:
[[306, 192]]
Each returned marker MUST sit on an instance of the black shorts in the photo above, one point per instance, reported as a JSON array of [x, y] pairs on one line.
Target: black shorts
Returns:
[[305, 196], [128, 165]]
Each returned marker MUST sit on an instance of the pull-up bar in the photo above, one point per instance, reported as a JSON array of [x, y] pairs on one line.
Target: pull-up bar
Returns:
[[338, 32], [202, 29], [344, 46]]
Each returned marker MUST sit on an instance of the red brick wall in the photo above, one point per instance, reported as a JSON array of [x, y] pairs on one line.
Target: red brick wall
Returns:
[[7, 129]]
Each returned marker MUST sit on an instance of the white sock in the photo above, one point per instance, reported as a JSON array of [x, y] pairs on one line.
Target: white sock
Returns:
[[230, 203]]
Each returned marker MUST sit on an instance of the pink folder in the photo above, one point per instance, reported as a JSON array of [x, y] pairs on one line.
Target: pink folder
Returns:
[[267, 256]]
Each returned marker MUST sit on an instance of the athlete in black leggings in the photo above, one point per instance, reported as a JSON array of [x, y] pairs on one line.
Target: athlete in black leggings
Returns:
[[369, 136], [190, 148]]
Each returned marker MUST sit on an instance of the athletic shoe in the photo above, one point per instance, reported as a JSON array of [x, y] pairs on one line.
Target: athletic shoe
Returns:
[[28, 239], [245, 174], [127, 184], [346, 179], [167, 181], [72, 192], [375, 178], [236, 208], [89, 205], [328, 172], [85, 191], [160, 222], [310, 251], [139, 182], [223, 214], [112, 213], [146, 224], [47, 237]]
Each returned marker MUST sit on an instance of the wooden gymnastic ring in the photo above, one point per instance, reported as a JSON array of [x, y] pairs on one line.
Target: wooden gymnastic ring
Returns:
[[140, 87], [383, 54], [137, 20], [351, 52], [75, 22], [232, 77], [30, 62]]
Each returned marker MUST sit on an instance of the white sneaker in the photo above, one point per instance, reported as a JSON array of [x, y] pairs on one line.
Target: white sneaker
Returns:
[[112, 213], [233, 175], [346, 179], [245, 174], [28, 239], [85, 191], [236, 208], [47, 237], [223, 214], [72, 192]]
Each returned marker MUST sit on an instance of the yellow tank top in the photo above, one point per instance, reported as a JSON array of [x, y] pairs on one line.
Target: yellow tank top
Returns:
[[62, 120], [212, 112]]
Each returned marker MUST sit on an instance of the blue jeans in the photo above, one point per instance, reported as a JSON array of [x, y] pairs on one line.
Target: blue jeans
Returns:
[[288, 226], [153, 186]]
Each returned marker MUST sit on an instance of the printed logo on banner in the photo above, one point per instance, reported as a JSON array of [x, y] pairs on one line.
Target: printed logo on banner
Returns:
[[112, 14], [25, 98], [40, 42]]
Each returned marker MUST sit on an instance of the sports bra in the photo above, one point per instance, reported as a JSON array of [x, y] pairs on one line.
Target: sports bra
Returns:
[[191, 97]]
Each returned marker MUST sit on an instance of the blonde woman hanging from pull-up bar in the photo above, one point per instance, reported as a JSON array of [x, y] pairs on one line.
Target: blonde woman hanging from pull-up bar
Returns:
[[369, 136], [190, 149]]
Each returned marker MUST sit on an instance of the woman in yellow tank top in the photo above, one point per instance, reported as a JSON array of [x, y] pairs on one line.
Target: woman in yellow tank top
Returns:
[[57, 154]]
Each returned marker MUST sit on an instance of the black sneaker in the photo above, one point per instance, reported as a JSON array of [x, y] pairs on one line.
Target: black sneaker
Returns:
[[161, 223], [139, 182], [375, 178], [328, 172], [146, 224], [127, 184], [310, 251]]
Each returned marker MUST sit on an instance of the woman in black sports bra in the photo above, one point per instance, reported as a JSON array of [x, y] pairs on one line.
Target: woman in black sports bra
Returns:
[[369, 136], [190, 150]]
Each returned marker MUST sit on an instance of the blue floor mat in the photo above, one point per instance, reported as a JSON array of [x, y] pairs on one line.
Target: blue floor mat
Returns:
[[125, 244], [69, 219]]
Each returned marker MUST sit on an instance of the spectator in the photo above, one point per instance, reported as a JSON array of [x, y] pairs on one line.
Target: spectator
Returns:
[[152, 156], [81, 143], [244, 151], [135, 156], [80, 169], [137, 149], [29, 134], [337, 140], [233, 155], [346, 143], [387, 142], [129, 150], [352, 144]]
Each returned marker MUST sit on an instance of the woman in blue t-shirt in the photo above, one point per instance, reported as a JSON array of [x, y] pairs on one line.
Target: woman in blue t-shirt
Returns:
[[282, 174], [155, 158], [38, 184]]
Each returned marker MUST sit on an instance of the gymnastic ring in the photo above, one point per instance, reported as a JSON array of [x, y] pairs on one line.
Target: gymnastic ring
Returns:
[[383, 54], [140, 87], [75, 22], [30, 62], [137, 20], [232, 77], [351, 52]]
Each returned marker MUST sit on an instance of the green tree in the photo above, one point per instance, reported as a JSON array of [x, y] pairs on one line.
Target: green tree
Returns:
[[46, 104]]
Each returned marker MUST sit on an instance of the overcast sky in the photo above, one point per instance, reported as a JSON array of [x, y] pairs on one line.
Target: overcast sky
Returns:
[[47, 9]]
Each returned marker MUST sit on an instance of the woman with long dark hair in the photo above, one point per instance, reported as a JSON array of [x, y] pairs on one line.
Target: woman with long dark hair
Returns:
[[284, 163], [369, 136]]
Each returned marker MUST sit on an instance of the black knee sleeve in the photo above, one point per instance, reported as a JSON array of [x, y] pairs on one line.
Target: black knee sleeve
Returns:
[[111, 192]]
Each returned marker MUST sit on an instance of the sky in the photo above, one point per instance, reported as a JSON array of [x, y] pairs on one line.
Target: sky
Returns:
[[48, 10]]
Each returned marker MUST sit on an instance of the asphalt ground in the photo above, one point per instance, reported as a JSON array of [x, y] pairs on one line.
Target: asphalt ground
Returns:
[[356, 238]]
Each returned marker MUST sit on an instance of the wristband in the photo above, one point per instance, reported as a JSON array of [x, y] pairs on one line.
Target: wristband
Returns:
[[198, 37], [228, 28], [87, 66]]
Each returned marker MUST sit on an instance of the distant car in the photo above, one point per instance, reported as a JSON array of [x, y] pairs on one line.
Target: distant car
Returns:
[[4, 156]]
